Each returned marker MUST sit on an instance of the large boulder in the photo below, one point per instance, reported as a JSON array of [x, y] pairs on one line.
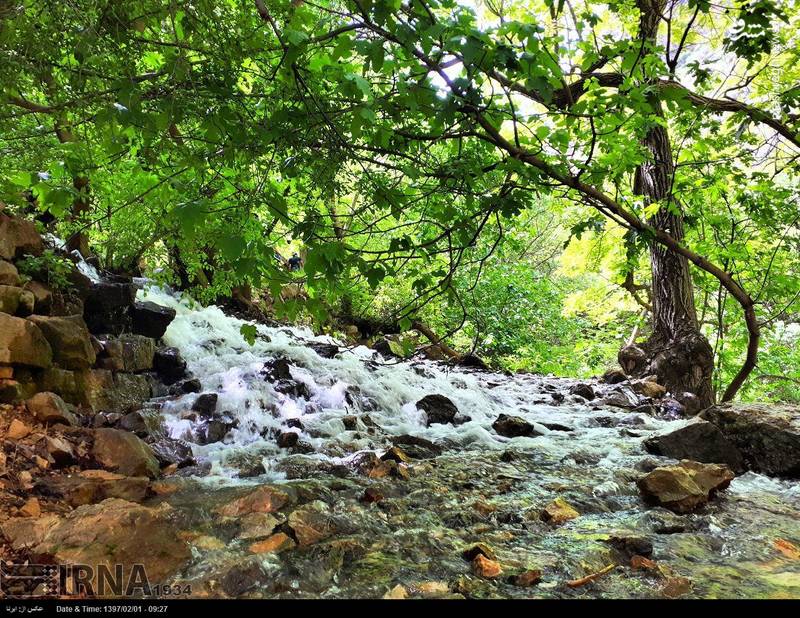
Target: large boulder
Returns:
[[102, 534], [122, 452], [16, 301], [697, 440], [22, 343], [50, 409], [69, 339], [8, 274], [131, 353], [42, 297], [18, 237], [107, 307], [767, 436], [438, 409], [150, 319], [684, 487], [98, 389]]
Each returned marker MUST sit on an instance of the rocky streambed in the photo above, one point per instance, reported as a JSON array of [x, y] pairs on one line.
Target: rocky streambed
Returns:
[[298, 467], [324, 471]]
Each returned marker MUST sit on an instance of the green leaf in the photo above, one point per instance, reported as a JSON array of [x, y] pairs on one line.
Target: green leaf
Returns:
[[249, 332]]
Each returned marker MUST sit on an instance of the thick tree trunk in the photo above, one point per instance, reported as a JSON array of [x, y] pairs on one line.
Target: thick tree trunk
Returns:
[[677, 352]]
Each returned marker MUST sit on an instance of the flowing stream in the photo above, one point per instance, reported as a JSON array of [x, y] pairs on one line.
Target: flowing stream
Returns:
[[481, 487]]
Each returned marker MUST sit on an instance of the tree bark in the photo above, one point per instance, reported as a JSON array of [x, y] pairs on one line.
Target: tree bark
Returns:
[[676, 352]]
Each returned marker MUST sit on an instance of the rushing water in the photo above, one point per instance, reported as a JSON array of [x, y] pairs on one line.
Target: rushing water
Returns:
[[483, 487]]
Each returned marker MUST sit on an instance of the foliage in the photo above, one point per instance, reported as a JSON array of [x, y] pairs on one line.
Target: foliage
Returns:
[[412, 151], [49, 267]]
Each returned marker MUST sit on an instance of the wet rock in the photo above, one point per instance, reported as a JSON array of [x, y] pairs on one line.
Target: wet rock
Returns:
[[278, 369], [294, 388], [396, 593], [583, 390], [528, 578], [311, 523], [169, 451], [621, 398], [663, 521], [205, 405], [396, 454], [184, 387], [767, 435], [514, 426], [438, 409], [557, 427], [107, 307], [244, 577], [93, 486], [614, 376], [691, 403], [672, 408], [631, 545], [479, 549], [288, 439], [23, 343], [258, 525], [100, 534], [350, 422], [557, 397], [294, 422], [474, 361], [169, 365], [371, 495], [640, 563], [276, 543], [558, 512], [135, 423], [8, 274], [485, 567], [214, 431], [648, 388], [391, 468], [69, 339], [50, 409], [325, 350], [151, 320], [18, 237], [686, 486], [699, 441], [122, 452], [417, 448], [263, 499]]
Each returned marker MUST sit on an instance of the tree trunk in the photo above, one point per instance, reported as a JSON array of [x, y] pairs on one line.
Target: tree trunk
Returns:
[[676, 352]]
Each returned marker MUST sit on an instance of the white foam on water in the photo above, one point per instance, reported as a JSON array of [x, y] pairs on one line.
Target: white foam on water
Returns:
[[218, 355]]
